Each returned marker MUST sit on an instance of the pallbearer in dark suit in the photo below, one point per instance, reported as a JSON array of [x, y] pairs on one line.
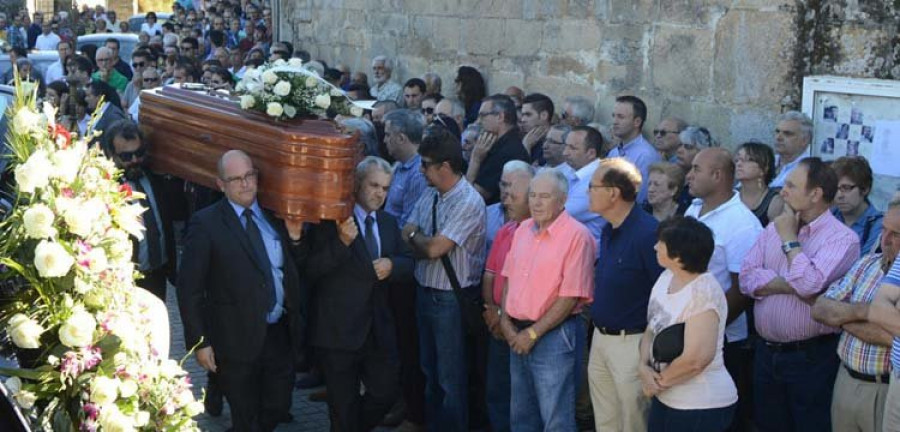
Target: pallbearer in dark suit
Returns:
[[239, 290], [154, 255], [350, 268]]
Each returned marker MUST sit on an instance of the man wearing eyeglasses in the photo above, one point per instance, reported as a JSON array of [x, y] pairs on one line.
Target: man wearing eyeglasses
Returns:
[[106, 72], [665, 137], [241, 297], [150, 78], [140, 60]]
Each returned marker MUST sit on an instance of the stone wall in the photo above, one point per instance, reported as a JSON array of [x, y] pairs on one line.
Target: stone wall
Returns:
[[731, 65]]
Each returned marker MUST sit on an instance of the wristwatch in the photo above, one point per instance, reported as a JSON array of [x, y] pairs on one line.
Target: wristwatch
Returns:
[[413, 234], [786, 247]]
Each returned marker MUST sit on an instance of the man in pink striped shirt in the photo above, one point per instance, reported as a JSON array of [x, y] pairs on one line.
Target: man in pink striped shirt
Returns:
[[791, 263]]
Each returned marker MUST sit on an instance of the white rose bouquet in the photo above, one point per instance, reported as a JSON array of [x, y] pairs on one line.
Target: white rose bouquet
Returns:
[[87, 353], [285, 90]]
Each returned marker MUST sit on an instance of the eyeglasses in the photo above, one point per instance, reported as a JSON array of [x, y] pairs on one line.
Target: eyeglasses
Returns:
[[663, 132], [427, 163], [151, 79], [103, 59], [482, 115], [278, 52], [845, 188], [249, 177], [137, 154], [429, 110], [592, 186], [138, 64], [787, 133]]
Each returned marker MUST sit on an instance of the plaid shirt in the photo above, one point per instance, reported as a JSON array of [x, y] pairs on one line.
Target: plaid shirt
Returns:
[[15, 37], [859, 286]]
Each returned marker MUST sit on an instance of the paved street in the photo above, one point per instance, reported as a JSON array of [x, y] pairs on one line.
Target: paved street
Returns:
[[308, 416]]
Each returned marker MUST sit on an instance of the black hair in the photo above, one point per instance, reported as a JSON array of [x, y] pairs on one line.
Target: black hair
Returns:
[[762, 155], [541, 103], [217, 38], [639, 107], [687, 240], [820, 175], [415, 82], [471, 85], [440, 145], [124, 128], [106, 91], [113, 41], [593, 139], [502, 103]]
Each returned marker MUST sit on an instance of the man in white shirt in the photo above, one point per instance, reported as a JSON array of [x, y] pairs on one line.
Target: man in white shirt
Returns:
[[56, 71], [47, 40], [735, 230]]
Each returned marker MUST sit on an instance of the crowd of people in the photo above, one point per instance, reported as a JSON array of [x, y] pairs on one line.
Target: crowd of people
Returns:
[[510, 264]]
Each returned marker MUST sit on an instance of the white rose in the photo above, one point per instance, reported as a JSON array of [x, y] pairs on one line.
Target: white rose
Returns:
[[279, 62], [141, 418], [97, 261], [78, 330], [94, 298], [38, 221], [194, 408], [255, 87], [52, 260], [27, 121], [323, 101], [24, 331], [269, 77], [295, 62], [290, 111], [82, 286], [274, 109], [119, 245], [66, 164], [52, 360], [170, 368], [251, 74], [356, 111], [312, 82], [336, 92], [283, 88], [34, 173], [247, 101], [104, 390], [128, 388], [111, 419], [80, 218], [25, 399]]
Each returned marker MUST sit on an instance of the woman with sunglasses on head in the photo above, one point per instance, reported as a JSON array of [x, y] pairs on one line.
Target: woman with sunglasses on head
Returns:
[[754, 169], [681, 356]]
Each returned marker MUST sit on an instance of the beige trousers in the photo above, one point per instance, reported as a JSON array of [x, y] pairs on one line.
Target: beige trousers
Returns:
[[891, 422], [619, 402], [857, 405]]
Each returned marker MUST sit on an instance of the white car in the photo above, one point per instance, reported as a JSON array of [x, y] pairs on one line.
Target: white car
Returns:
[[40, 61], [127, 41]]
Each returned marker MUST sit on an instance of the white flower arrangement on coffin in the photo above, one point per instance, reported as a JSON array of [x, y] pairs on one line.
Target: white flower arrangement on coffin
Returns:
[[92, 347], [285, 90]]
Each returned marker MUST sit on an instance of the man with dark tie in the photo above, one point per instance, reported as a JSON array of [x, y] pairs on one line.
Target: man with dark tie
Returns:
[[350, 269], [154, 254], [241, 299]]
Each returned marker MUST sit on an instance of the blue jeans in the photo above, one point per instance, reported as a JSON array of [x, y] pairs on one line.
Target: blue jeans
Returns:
[[443, 357], [666, 419], [543, 381], [498, 394], [792, 389]]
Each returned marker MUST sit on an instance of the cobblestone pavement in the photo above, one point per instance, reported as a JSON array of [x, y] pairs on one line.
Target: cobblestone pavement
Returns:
[[308, 416]]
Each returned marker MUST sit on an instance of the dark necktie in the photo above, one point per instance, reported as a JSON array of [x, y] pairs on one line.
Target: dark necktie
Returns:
[[151, 227], [260, 249], [371, 241]]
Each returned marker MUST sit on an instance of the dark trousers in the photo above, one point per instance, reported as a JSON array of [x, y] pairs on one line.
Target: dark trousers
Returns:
[[792, 389], [259, 392], [402, 301], [376, 367], [665, 419], [739, 363], [155, 282]]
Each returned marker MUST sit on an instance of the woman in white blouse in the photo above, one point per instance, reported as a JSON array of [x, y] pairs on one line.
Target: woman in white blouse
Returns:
[[693, 391]]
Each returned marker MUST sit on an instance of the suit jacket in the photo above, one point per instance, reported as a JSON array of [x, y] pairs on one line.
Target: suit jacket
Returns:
[[348, 300], [110, 116], [222, 292], [169, 201]]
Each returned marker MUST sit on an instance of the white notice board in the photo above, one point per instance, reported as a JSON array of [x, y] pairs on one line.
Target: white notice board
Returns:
[[857, 117]]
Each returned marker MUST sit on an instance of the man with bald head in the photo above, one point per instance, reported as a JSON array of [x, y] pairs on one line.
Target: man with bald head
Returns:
[[240, 297], [735, 229]]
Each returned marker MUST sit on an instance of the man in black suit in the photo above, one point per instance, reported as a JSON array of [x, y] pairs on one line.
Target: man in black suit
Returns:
[[154, 254], [241, 298], [110, 108], [352, 326]]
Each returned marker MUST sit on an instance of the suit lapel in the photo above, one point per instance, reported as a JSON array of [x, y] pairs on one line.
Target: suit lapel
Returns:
[[234, 225]]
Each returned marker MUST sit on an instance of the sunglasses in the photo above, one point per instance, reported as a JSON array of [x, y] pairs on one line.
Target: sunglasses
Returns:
[[150, 80], [428, 111], [138, 64], [137, 154]]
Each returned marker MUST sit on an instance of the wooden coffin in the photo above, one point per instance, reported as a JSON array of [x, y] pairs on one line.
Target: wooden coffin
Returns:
[[306, 166]]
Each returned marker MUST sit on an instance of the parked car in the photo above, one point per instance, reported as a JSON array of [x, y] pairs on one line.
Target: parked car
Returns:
[[127, 41], [134, 23], [40, 60]]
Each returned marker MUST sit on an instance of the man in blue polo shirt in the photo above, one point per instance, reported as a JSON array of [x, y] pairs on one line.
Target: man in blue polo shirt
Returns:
[[623, 279]]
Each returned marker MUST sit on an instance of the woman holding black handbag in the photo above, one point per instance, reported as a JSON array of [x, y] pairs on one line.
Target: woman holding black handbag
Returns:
[[681, 351]]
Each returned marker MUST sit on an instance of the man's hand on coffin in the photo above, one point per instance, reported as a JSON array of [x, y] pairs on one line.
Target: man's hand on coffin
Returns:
[[348, 231]]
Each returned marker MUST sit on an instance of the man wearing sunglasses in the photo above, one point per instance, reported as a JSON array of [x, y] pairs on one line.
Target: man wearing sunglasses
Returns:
[[140, 60]]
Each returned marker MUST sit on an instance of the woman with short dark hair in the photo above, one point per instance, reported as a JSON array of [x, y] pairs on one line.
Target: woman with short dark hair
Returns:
[[681, 360], [754, 169]]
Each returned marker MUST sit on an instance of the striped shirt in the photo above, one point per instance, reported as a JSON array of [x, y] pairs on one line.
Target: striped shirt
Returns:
[[407, 187], [893, 278], [828, 250], [859, 286], [460, 218]]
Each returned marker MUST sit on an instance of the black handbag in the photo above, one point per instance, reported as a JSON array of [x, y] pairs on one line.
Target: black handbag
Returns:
[[470, 306], [669, 344]]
